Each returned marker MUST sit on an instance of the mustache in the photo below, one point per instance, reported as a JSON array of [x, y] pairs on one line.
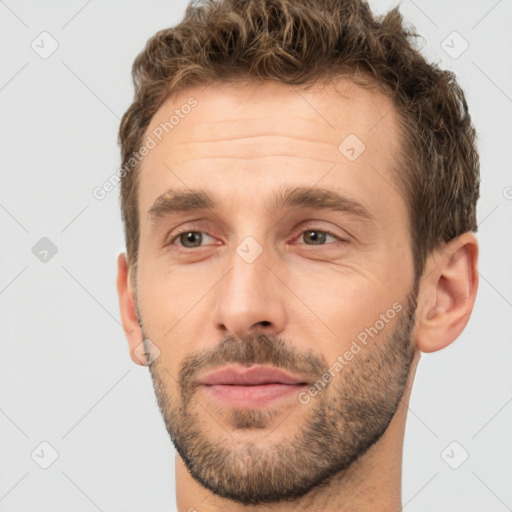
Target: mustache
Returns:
[[261, 349]]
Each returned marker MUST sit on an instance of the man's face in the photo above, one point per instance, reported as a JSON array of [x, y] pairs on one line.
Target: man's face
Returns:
[[300, 260]]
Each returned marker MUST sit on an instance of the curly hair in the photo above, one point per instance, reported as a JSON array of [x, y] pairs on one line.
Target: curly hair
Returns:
[[303, 42]]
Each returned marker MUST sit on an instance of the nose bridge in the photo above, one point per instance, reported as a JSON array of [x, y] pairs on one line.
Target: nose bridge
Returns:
[[247, 299]]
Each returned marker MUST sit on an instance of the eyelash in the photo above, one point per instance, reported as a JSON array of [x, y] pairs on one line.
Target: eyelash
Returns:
[[304, 230]]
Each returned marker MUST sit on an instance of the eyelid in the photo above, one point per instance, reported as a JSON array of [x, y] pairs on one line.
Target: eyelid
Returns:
[[316, 227], [329, 233], [303, 229], [193, 225], [172, 239]]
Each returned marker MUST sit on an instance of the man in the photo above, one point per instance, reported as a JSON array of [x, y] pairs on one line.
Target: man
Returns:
[[299, 196]]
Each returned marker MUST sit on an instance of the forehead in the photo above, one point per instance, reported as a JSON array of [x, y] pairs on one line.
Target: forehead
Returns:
[[232, 134], [328, 109]]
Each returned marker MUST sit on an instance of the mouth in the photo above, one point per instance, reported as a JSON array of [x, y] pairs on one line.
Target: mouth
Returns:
[[250, 388]]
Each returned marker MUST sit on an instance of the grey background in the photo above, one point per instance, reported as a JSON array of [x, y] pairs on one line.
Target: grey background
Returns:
[[66, 376]]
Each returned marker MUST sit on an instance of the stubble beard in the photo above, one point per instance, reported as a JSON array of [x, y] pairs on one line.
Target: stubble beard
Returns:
[[344, 420]]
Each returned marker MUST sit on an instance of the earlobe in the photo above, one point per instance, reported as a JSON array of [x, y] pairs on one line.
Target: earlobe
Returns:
[[447, 293], [127, 307]]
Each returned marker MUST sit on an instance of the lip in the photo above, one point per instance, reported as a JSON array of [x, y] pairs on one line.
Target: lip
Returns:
[[253, 376], [250, 388]]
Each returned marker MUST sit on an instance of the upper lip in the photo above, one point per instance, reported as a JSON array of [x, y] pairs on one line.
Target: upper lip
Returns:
[[252, 376]]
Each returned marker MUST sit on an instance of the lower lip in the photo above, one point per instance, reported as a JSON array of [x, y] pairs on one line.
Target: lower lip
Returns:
[[250, 397]]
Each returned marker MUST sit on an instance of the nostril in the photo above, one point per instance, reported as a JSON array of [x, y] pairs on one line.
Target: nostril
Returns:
[[265, 323]]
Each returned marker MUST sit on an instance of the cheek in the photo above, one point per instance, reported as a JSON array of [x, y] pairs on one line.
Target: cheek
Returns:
[[166, 301], [176, 308], [343, 302]]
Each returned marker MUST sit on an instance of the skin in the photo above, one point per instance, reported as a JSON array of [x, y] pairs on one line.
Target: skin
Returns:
[[242, 143]]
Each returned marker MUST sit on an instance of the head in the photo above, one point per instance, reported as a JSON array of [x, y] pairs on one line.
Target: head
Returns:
[[299, 191]]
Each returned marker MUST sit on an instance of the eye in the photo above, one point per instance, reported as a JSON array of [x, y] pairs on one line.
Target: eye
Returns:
[[190, 239], [317, 237]]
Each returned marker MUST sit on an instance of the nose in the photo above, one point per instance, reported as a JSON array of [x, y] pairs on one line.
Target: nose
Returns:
[[250, 299]]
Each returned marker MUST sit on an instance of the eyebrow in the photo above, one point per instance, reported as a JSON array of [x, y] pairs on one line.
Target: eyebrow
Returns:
[[185, 201]]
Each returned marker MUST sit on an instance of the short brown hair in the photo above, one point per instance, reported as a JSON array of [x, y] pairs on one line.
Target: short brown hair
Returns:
[[302, 42]]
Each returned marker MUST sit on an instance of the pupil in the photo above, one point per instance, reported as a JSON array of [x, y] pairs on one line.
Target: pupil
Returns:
[[316, 237], [191, 239]]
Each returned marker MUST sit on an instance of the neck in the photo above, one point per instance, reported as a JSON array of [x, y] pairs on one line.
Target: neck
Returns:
[[373, 483]]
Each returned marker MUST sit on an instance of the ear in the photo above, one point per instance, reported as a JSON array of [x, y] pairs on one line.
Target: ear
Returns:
[[447, 293], [129, 318]]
